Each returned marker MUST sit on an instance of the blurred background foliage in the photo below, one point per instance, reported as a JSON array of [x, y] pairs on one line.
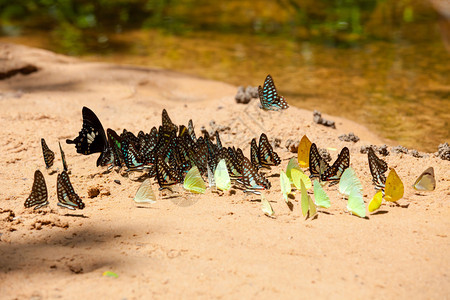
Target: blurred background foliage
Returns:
[[381, 63]]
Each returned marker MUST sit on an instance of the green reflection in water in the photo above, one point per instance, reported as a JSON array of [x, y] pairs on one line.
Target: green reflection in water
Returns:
[[380, 63]]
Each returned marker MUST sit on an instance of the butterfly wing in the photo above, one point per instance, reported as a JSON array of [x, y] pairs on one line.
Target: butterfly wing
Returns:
[[349, 182], [377, 168], [316, 163], [222, 177], [394, 187], [292, 164], [254, 154], [91, 138], [335, 172], [39, 195], [193, 181], [298, 177], [145, 193], [285, 185], [355, 204], [266, 207], [269, 98], [426, 181], [266, 156], [375, 203], [304, 200], [320, 196], [63, 157], [303, 152], [167, 122], [66, 194], [165, 175], [49, 155]]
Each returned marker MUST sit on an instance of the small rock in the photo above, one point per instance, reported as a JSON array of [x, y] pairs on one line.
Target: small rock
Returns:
[[93, 192], [399, 149], [383, 149], [351, 137], [325, 154], [415, 153], [319, 120], [252, 91], [292, 145], [275, 142], [443, 151], [117, 181]]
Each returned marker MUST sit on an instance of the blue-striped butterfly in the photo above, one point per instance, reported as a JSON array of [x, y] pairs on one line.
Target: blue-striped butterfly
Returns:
[[269, 98], [334, 172], [63, 157], [166, 175], [251, 179], [317, 165], [377, 168], [39, 195], [66, 194]]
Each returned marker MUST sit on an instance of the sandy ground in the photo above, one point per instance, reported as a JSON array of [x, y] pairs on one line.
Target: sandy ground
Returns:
[[220, 247]]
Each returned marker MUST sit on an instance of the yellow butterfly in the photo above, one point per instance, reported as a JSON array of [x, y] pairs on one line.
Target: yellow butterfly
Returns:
[[375, 203], [308, 207], [266, 207], [303, 152], [394, 187], [426, 181]]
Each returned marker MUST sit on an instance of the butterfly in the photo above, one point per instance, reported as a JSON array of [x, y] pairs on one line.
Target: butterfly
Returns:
[[375, 203], [39, 194], [309, 209], [298, 177], [292, 164], [317, 165], [349, 182], [251, 179], [267, 157], [63, 157], [269, 98], [165, 174], [377, 168], [145, 193], [350, 186], [91, 138], [334, 172], [426, 181], [193, 181], [130, 156], [167, 122], [211, 180], [66, 195], [394, 187], [266, 207], [191, 131], [49, 155], [115, 144], [221, 176], [285, 185], [254, 154], [320, 196], [303, 152]]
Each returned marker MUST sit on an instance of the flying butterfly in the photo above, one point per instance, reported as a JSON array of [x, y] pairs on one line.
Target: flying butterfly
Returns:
[[377, 168], [269, 98], [303, 152], [426, 181], [49, 155], [193, 181], [334, 172], [66, 194], [145, 193], [91, 138], [39, 194], [63, 158], [317, 165]]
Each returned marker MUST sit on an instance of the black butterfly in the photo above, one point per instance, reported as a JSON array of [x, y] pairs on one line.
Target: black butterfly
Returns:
[[165, 175], [218, 142], [317, 165], [115, 146], [49, 155], [91, 138], [63, 157], [270, 100], [39, 195], [108, 158], [254, 154], [334, 172], [251, 179], [130, 156], [191, 131], [266, 156], [167, 122], [230, 162], [66, 195], [377, 168]]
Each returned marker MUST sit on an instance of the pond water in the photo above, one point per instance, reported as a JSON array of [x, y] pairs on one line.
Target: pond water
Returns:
[[398, 87]]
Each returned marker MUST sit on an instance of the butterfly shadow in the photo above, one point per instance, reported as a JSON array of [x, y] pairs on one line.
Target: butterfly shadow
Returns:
[[290, 205], [76, 216], [402, 206], [325, 212], [380, 212]]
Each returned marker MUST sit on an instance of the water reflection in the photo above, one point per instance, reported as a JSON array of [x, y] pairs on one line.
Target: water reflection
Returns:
[[380, 63]]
